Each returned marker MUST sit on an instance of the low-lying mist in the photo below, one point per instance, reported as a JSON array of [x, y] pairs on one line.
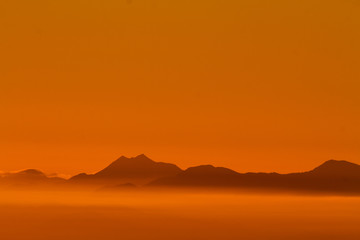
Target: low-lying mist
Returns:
[[181, 214]]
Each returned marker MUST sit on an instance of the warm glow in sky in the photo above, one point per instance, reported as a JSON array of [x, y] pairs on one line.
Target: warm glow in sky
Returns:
[[253, 85]]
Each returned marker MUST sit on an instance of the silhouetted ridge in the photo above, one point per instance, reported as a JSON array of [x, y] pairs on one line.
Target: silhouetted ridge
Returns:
[[331, 176], [209, 171], [337, 168], [139, 169], [203, 175]]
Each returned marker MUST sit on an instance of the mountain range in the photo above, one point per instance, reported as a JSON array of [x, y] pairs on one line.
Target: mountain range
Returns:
[[333, 176]]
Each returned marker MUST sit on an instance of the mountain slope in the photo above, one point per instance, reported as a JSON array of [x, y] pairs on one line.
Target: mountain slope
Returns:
[[140, 169], [203, 175], [338, 168]]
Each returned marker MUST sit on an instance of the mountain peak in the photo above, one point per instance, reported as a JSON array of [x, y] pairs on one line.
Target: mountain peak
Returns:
[[137, 167], [337, 163], [139, 158], [338, 167], [209, 169], [33, 172]]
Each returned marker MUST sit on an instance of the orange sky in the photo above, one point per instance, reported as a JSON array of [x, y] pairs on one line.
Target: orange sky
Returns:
[[253, 85]]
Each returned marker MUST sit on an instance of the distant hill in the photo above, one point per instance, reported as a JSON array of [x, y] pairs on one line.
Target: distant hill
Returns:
[[136, 170], [204, 175], [29, 178], [331, 176], [338, 168]]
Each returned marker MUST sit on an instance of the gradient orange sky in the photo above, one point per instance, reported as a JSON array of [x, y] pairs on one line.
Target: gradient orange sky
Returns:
[[253, 85]]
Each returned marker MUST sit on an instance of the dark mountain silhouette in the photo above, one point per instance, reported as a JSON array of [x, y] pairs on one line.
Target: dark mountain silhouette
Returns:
[[331, 176], [339, 168], [203, 175], [139, 170]]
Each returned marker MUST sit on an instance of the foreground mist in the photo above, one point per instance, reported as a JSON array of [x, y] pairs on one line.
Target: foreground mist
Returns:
[[175, 215]]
